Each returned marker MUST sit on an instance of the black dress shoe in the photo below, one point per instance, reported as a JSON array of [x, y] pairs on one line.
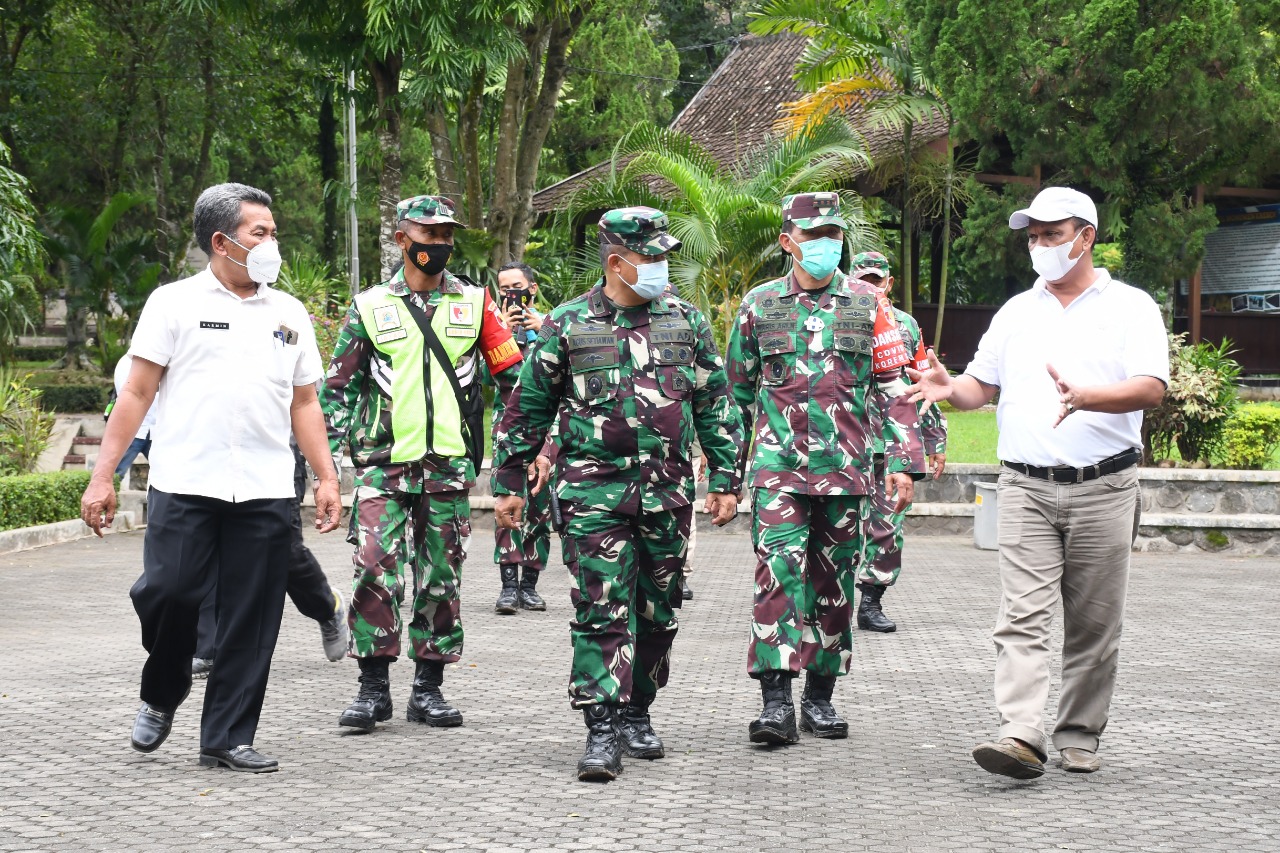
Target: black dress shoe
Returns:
[[150, 728], [243, 758]]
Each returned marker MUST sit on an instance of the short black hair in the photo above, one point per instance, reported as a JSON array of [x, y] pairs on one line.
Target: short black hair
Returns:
[[527, 271], [789, 227], [1080, 223], [219, 209], [607, 249]]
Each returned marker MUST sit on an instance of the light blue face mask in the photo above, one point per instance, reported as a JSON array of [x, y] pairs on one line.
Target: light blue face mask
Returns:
[[820, 257], [651, 279]]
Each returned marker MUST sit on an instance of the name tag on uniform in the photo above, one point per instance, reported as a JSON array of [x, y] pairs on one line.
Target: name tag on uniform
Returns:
[[394, 335], [210, 324], [455, 332]]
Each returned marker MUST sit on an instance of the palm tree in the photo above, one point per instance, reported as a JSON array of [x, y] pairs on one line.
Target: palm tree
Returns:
[[21, 253], [859, 55], [98, 270], [727, 217]]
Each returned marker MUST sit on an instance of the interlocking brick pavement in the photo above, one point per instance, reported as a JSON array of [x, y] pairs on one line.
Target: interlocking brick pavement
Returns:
[[1189, 763]]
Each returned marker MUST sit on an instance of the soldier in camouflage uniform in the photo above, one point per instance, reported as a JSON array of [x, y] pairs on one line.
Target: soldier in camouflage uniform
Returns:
[[632, 374], [807, 353], [883, 558], [391, 400], [521, 555]]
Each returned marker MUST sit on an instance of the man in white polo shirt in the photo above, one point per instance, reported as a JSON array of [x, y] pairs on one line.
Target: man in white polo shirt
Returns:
[[1076, 359], [235, 364]]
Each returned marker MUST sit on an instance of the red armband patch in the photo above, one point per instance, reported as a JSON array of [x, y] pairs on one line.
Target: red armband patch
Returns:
[[496, 342], [890, 353]]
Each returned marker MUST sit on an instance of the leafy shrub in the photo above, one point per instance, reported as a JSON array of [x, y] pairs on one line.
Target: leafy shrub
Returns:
[[73, 398], [24, 426], [1252, 436], [312, 282], [39, 353], [1200, 400], [30, 499]]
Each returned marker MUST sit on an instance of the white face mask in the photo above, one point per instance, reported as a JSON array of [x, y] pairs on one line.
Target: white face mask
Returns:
[[263, 261], [651, 279], [1053, 263]]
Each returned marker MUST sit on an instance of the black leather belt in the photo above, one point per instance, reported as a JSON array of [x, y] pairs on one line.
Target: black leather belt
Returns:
[[1064, 474]]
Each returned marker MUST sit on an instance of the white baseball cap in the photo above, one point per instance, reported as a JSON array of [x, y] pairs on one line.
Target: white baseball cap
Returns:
[[1054, 204]]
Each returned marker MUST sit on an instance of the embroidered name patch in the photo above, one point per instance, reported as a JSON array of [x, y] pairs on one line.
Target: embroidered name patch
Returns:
[[393, 335], [210, 324]]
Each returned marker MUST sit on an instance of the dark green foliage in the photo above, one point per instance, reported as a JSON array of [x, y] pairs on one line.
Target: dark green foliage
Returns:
[[30, 499], [1136, 102], [72, 398], [38, 353]]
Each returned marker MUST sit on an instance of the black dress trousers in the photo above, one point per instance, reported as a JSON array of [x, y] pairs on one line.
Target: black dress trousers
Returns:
[[242, 550]]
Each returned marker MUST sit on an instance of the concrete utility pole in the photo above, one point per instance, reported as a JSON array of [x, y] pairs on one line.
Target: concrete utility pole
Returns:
[[353, 238]]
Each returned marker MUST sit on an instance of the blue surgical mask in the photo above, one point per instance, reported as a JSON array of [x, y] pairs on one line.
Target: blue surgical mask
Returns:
[[820, 257], [651, 279]]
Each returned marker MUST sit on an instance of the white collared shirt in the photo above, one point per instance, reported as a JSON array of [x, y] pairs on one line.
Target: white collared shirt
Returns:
[[222, 413], [1109, 333], [123, 366]]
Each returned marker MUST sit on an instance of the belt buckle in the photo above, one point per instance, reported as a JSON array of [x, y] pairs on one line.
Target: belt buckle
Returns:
[[1080, 475]]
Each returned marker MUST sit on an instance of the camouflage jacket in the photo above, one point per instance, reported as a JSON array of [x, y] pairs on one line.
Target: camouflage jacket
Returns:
[[933, 423], [631, 388], [801, 368], [357, 400]]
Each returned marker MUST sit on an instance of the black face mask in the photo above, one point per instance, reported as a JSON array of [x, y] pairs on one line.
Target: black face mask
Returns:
[[429, 257]]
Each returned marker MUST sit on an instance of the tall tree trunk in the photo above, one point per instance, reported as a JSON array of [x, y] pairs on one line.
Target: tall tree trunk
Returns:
[[12, 50], [442, 152], [538, 125], [167, 231], [908, 277], [946, 243], [469, 145], [386, 83], [522, 80], [327, 146], [208, 126]]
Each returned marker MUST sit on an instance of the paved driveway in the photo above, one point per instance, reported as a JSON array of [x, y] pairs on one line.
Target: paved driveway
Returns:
[[1190, 760]]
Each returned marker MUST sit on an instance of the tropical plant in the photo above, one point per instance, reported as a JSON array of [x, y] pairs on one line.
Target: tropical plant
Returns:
[[726, 217], [24, 427], [859, 55], [324, 295], [1198, 404], [104, 274], [20, 253]]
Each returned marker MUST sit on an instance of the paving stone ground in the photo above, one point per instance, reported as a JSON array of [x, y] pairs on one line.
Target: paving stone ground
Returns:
[[1190, 760]]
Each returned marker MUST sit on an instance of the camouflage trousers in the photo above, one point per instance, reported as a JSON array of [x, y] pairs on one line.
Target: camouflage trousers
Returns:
[[807, 550], [531, 544], [626, 571], [427, 535], [882, 561]]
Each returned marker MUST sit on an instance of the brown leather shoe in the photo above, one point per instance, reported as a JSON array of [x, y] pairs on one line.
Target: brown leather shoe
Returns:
[[1076, 760], [1010, 757]]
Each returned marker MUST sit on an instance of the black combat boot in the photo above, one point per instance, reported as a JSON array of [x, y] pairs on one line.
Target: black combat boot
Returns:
[[777, 722], [426, 702], [602, 760], [529, 598], [509, 598], [638, 737], [870, 615], [372, 704], [817, 715]]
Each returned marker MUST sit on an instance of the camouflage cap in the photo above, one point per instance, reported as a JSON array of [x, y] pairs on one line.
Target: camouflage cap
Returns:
[[426, 210], [641, 229], [810, 210], [869, 262]]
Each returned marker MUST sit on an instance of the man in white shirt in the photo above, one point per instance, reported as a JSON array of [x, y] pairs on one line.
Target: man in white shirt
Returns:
[[235, 364], [1076, 359]]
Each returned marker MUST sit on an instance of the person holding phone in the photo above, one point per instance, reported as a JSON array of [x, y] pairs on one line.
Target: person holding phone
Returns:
[[521, 553]]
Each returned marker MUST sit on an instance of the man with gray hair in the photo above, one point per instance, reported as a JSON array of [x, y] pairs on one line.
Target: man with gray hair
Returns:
[[235, 365]]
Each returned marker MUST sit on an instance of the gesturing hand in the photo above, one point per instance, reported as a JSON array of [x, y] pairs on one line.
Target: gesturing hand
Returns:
[[933, 384]]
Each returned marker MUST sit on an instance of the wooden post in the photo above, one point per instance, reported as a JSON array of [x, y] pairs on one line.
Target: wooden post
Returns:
[[1193, 291]]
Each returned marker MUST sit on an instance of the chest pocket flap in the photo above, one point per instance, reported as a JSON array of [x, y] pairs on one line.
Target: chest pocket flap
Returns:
[[854, 328], [592, 347], [672, 339]]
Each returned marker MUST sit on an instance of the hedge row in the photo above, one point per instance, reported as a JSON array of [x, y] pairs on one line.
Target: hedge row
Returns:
[[39, 353], [30, 499], [73, 398]]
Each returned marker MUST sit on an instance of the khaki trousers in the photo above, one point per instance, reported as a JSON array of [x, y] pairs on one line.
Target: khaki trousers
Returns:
[[1068, 542]]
